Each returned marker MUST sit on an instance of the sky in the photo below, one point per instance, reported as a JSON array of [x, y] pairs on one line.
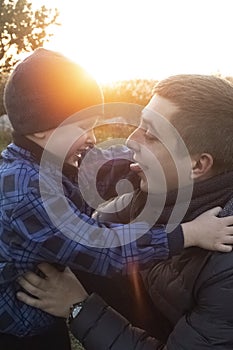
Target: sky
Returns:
[[147, 39]]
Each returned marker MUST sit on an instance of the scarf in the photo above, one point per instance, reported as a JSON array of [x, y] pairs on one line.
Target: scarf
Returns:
[[215, 191]]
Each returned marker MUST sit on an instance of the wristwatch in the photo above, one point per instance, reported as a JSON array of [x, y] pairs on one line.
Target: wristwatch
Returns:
[[75, 310]]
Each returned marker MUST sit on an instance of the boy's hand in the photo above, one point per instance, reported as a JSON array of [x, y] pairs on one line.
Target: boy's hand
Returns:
[[209, 232], [55, 293]]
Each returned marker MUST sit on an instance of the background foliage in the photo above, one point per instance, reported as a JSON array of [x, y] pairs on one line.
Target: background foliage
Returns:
[[22, 29], [138, 91]]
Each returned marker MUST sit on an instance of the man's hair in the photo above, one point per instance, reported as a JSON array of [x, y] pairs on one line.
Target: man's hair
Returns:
[[205, 115]]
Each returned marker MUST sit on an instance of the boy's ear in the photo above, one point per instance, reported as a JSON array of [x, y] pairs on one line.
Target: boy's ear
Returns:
[[202, 166], [39, 135]]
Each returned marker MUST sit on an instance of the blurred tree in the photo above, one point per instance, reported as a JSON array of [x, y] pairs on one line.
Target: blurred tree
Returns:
[[3, 77], [22, 29], [137, 91]]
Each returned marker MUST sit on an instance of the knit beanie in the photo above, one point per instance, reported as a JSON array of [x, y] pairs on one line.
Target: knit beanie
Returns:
[[45, 89]]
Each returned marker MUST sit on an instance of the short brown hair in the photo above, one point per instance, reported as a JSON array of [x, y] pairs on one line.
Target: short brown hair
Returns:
[[205, 115]]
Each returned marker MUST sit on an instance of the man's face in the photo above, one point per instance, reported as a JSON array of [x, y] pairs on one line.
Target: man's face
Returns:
[[155, 145]]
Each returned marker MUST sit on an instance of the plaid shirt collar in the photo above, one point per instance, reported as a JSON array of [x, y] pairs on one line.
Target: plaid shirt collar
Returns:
[[34, 150]]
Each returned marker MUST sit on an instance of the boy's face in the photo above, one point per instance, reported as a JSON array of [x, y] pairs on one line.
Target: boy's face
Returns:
[[155, 145], [69, 140]]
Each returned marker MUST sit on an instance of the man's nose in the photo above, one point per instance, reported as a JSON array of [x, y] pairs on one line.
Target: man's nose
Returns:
[[133, 141]]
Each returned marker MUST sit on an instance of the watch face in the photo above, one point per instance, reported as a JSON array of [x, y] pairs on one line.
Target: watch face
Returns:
[[76, 310]]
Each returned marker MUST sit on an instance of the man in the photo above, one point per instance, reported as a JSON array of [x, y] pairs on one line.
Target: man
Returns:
[[194, 289], [53, 105]]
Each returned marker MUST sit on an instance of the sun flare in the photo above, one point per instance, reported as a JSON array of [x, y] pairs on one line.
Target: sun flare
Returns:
[[117, 40]]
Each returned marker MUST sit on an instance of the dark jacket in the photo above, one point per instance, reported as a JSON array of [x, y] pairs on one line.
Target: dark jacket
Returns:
[[99, 327], [194, 290]]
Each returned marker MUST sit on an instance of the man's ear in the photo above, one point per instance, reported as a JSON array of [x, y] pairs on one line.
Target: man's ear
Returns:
[[202, 166]]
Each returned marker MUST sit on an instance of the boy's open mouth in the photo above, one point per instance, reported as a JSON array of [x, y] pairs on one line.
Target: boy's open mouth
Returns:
[[137, 168]]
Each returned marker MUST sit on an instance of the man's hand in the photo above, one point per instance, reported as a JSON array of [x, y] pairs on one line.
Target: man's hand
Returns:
[[55, 293], [209, 232]]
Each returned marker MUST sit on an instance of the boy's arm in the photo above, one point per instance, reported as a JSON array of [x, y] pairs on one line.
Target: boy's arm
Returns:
[[73, 239], [209, 232], [108, 172]]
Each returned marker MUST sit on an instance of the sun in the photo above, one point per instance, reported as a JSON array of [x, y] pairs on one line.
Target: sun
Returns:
[[104, 71], [97, 35], [99, 51], [130, 39]]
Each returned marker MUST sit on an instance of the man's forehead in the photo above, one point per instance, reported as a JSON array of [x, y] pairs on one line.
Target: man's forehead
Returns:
[[150, 116], [159, 125], [159, 105]]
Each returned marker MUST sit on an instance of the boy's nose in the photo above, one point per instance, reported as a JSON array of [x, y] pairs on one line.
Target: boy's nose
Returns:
[[91, 139]]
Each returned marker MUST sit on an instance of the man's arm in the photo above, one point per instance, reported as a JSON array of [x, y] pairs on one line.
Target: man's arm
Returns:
[[206, 326], [97, 326]]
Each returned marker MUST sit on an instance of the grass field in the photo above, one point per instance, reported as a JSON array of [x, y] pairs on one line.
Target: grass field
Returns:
[[75, 344]]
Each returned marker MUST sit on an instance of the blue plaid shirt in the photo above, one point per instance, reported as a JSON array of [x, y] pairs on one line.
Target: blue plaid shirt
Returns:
[[28, 236]]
